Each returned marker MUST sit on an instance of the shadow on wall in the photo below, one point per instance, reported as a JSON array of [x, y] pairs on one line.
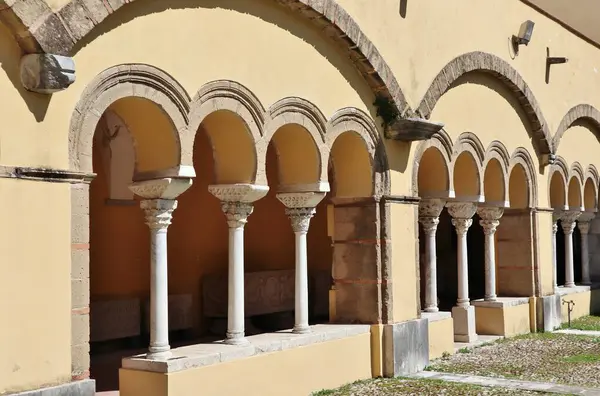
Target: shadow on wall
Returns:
[[266, 10], [10, 57]]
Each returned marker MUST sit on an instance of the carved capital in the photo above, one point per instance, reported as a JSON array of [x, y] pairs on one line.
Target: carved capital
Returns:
[[584, 221], [158, 213], [489, 226], [300, 218], [431, 207], [429, 224], [301, 199], [568, 219], [245, 193], [237, 213], [461, 210], [462, 225], [166, 188], [490, 212]]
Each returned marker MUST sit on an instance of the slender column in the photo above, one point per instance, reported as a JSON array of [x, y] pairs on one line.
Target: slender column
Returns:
[[236, 203], [490, 219], [584, 227], [555, 219], [568, 219], [158, 206], [300, 208], [429, 212], [463, 313]]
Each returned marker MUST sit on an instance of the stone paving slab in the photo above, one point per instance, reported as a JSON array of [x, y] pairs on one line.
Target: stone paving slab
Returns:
[[579, 332], [506, 383]]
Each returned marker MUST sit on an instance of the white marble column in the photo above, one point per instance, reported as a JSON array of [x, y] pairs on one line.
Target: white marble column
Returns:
[[463, 313], [584, 228], [236, 203], [568, 222], [555, 219], [429, 217], [300, 208], [490, 219], [158, 206]]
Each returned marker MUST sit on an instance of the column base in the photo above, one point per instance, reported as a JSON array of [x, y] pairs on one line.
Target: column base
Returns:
[[586, 283], [464, 324], [570, 284], [432, 309], [405, 347], [238, 341], [304, 329], [162, 355], [490, 298]]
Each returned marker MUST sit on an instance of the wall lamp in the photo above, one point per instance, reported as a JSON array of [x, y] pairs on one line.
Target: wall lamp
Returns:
[[524, 36]]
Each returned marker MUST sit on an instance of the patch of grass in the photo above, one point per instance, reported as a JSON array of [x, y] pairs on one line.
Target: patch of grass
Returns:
[[408, 386], [582, 358], [587, 323], [464, 350]]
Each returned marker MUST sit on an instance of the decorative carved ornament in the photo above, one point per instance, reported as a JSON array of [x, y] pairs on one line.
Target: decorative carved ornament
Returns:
[[166, 188], [490, 218], [584, 221], [429, 224], [301, 199], [300, 218], [568, 219], [238, 192], [431, 207], [158, 212], [461, 210], [237, 213]]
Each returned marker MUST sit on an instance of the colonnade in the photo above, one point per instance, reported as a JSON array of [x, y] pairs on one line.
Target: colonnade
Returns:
[[159, 202], [570, 219]]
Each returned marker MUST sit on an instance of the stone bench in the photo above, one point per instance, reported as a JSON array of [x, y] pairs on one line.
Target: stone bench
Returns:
[[114, 319]]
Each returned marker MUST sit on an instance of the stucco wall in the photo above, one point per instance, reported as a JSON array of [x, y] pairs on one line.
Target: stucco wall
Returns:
[[35, 296]]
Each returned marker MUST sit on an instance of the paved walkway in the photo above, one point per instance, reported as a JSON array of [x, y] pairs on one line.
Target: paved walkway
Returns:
[[579, 332], [507, 383]]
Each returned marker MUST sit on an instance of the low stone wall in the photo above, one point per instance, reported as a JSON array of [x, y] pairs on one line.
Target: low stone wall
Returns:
[[506, 317], [441, 334]]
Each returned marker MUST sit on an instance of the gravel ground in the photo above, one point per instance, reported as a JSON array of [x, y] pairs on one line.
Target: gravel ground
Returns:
[[586, 323], [398, 386], [548, 357]]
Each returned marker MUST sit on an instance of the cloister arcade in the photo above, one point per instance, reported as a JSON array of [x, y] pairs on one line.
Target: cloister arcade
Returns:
[[488, 197], [263, 170]]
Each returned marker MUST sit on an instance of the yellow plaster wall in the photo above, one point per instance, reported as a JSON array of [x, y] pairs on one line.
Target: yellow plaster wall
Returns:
[[579, 144], [543, 250], [441, 337], [404, 265], [35, 286], [298, 371], [586, 303], [507, 321]]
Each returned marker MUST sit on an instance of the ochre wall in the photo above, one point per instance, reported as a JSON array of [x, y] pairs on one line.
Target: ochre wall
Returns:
[[35, 286]]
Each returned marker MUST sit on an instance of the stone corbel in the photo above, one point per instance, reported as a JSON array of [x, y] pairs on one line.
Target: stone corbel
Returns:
[[47, 73], [412, 129]]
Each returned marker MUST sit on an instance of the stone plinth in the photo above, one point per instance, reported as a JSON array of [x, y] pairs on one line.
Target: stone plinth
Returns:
[[464, 324]]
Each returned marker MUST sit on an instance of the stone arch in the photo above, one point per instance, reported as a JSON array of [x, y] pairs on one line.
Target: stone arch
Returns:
[[39, 29], [467, 165], [521, 161], [131, 81], [590, 191], [353, 121], [580, 112], [557, 187], [502, 70], [304, 123], [235, 105], [439, 151], [495, 174], [575, 187]]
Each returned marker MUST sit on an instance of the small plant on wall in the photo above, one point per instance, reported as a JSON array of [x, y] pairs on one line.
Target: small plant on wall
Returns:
[[386, 110]]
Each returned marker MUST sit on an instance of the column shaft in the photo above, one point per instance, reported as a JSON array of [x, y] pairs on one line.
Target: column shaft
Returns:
[[301, 285], [490, 219], [463, 268], [568, 220], [431, 273], [554, 260]]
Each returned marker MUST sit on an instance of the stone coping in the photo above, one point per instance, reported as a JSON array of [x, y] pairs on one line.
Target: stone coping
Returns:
[[501, 302], [563, 291], [199, 355], [436, 316]]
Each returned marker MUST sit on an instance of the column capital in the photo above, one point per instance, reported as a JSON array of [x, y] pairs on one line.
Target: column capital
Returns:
[[163, 189], [461, 210], [431, 207], [568, 219], [301, 199], [490, 218], [158, 212], [300, 218], [583, 223], [241, 193], [429, 224], [237, 213]]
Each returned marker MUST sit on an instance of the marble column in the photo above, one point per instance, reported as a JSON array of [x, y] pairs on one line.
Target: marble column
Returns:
[[584, 228], [158, 205], [300, 208], [463, 313], [555, 219], [490, 219], [236, 203], [429, 217], [568, 222]]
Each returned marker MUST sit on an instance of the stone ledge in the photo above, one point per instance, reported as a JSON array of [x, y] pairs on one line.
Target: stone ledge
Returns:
[[200, 355], [436, 316], [501, 302], [76, 388], [564, 291]]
